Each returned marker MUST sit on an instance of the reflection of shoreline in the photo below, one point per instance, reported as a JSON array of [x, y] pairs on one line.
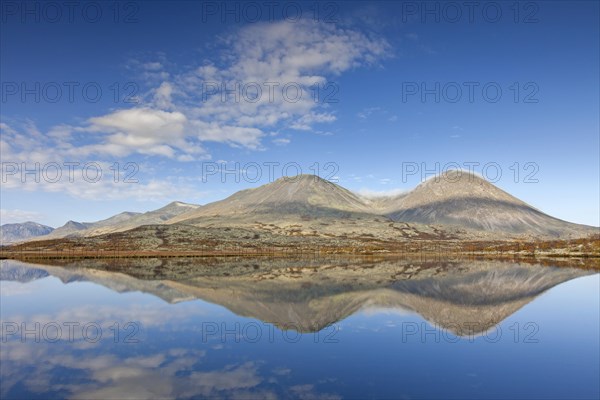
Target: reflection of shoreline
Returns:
[[564, 251], [464, 297]]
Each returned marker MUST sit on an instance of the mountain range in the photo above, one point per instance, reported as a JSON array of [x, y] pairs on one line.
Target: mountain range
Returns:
[[456, 205], [122, 222], [455, 199], [117, 223]]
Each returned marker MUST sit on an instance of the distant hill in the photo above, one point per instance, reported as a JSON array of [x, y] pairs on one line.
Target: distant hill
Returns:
[[155, 217], [12, 233], [120, 222], [73, 228]]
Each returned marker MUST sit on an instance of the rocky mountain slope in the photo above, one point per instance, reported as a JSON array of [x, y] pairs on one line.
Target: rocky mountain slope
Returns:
[[12, 233]]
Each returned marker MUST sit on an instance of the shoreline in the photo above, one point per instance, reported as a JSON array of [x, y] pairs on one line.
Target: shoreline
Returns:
[[103, 254]]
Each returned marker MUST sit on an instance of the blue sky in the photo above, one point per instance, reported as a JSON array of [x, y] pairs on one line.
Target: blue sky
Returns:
[[387, 77]]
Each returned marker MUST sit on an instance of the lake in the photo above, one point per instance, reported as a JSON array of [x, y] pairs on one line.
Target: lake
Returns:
[[322, 329]]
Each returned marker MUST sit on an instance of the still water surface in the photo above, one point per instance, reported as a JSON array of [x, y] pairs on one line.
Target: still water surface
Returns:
[[298, 329]]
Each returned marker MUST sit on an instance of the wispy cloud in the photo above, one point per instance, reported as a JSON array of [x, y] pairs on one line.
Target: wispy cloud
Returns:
[[183, 110], [369, 193], [16, 215]]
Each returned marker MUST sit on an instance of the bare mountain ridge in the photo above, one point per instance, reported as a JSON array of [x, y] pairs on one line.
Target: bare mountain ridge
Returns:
[[155, 217], [120, 222], [456, 198], [308, 205], [74, 228]]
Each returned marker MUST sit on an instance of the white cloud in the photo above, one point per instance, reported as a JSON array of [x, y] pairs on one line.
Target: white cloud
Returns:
[[142, 122], [7, 130], [306, 121], [173, 119], [378, 112], [16, 216], [152, 66], [368, 193], [281, 141], [367, 112], [163, 95], [141, 130], [272, 56], [150, 70], [236, 135]]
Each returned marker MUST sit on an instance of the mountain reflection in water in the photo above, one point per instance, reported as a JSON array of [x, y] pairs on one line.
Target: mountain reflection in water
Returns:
[[302, 297]]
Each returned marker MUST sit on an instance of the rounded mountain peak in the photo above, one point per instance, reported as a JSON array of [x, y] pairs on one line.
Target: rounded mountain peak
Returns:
[[460, 184]]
